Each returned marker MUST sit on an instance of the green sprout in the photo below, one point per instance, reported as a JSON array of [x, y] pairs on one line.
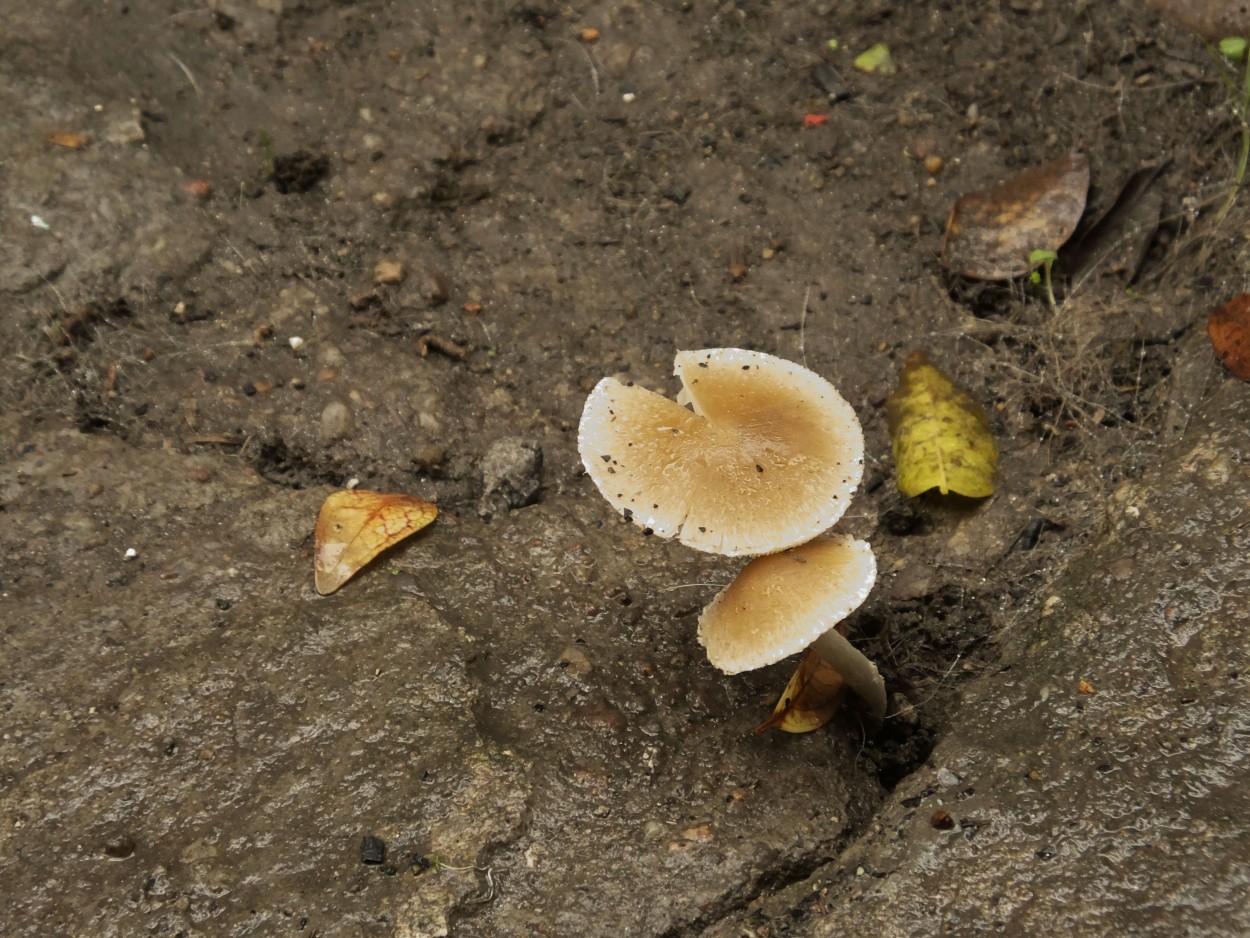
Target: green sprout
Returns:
[[1237, 82], [1046, 260], [266, 149]]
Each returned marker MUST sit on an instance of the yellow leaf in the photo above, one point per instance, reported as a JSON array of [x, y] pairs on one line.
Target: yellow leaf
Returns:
[[939, 434], [355, 526], [810, 699]]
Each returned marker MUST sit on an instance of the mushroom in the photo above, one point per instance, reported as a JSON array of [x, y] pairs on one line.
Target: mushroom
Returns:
[[765, 457], [783, 603]]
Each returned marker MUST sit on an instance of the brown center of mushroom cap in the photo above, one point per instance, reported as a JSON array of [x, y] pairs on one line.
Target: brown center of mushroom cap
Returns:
[[767, 458]]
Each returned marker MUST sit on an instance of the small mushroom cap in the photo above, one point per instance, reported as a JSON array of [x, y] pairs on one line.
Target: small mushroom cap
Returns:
[[780, 604], [766, 457]]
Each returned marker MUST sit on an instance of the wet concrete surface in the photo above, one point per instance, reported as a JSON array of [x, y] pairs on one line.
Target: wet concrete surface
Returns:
[[513, 703], [200, 743], [1115, 808]]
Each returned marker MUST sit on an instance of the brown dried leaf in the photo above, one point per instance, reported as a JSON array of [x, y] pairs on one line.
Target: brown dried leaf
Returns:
[[990, 234], [810, 699], [355, 526], [1229, 329], [1116, 244]]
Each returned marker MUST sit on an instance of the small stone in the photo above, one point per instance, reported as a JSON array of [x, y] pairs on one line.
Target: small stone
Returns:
[[336, 421], [512, 476], [388, 271], [575, 661], [932, 164], [428, 456], [433, 287]]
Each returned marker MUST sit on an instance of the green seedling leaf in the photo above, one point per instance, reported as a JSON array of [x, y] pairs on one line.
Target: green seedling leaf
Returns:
[[1233, 47], [876, 59], [939, 435]]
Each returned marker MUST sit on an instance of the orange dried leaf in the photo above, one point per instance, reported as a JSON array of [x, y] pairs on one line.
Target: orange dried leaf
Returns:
[[1229, 329], [990, 234], [69, 140], [810, 699], [355, 526]]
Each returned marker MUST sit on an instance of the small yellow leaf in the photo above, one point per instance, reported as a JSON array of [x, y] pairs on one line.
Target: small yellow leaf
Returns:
[[354, 526], [810, 699], [939, 434]]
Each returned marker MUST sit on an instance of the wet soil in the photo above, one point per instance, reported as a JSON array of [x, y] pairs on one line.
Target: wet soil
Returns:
[[205, 332]]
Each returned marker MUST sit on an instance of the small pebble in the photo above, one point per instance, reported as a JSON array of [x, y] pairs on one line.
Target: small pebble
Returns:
[[388, 271], [295, 342], [130, 554], [428, 456], [337, 422], [575, 661]]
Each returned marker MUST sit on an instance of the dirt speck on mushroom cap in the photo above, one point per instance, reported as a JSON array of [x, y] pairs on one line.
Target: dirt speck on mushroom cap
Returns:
[[767, 456]]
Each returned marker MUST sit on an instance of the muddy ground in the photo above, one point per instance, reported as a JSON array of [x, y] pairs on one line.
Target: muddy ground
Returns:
[[197, 350]]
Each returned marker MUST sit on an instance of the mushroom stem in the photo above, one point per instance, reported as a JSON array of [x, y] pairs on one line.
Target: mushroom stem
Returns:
[[860, 674]]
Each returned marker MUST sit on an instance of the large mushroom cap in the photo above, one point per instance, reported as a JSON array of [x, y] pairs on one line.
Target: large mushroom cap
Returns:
[[767, 457], [782, 603]]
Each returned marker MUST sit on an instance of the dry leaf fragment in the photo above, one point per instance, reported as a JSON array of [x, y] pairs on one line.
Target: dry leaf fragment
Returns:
[[1210, 19], [810, 699], [1117, 242], [71, 140], [354, 526], [1229, 329], [939, 435], [990, 234]]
